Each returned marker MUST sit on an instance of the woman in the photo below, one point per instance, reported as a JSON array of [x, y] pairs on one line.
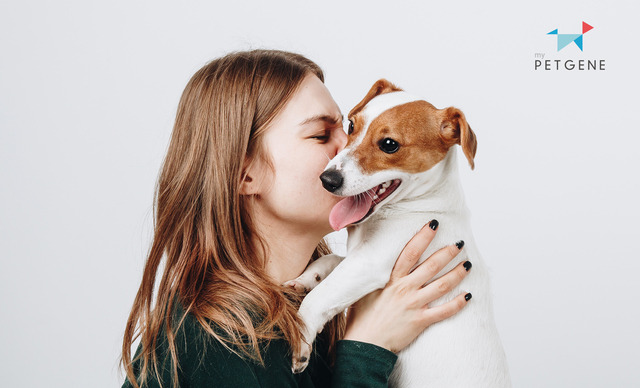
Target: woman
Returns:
[[239, 210]]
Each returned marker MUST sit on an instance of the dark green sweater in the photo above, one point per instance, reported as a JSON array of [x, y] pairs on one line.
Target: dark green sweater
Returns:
[[211, 365]]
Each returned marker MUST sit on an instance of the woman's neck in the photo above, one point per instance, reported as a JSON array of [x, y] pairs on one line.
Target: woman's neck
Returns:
[[290, 248]]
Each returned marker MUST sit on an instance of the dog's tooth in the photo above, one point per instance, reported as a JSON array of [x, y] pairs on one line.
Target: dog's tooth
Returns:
[[382, 190], [386, 184], [375, 197]]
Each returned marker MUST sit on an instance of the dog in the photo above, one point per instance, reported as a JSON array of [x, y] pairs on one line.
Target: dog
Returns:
[[397, 172]]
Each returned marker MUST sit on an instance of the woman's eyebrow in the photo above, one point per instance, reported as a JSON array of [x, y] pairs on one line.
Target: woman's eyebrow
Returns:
[[323, 117]]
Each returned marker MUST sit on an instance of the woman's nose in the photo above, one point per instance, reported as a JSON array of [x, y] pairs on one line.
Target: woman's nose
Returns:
[[342, 140]]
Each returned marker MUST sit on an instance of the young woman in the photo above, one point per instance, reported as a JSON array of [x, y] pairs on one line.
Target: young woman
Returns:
[[239, 210]]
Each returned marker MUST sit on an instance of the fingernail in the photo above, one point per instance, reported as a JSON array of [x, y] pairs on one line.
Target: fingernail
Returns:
[[433, 224], [467, 266], [467, 297], [460, 244]]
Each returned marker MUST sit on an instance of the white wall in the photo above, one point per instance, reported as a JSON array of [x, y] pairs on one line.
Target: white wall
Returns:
[[88, 93]]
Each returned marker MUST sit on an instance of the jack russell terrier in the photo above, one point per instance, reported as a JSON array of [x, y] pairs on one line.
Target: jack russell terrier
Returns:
[[397, 171]]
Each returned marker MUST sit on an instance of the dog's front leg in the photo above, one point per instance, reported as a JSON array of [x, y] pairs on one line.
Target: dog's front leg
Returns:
[[314, 273], [352, 279]]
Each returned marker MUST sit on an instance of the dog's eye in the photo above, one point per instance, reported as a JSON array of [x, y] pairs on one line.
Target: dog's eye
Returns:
[[388, 145], [350, 128]]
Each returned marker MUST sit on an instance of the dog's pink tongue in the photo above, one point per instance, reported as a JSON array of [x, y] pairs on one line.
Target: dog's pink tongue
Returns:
[[349, 210]]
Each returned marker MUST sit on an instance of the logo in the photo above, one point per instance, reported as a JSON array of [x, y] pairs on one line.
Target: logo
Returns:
[[565, 39], [568, 60]]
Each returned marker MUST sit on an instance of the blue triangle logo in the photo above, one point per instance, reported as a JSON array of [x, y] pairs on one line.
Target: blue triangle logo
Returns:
[[554, 32], [579, 42]]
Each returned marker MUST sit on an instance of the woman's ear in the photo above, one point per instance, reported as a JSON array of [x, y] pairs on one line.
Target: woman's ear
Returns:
[[246, 187], [249, 185]]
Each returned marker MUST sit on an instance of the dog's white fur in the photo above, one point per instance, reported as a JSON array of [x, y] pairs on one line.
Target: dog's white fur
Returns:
[[462, 351]]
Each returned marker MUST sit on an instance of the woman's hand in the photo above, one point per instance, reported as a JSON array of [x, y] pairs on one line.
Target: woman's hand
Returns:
[[395, 315]]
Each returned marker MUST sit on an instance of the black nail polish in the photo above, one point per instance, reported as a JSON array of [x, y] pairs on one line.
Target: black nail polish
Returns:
[[433, 224], [467, 297], [460, 244], [467, 265]]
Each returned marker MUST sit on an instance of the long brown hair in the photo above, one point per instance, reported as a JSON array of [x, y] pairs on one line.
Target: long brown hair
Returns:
[[202, 225]]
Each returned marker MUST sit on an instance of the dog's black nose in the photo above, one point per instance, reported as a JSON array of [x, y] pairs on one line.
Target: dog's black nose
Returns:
[[331, 180]]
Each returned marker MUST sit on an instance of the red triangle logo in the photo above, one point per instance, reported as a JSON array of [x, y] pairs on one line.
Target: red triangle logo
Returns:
[[586, 27]]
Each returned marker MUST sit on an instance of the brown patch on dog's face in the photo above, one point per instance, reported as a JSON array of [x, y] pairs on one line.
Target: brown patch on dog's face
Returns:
[[424, 135], [358, 125], [415, 127]]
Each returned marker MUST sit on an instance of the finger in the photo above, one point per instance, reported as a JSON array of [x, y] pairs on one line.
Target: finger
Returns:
[[414, 249], [443, 284], [434, 264], [444, 311]]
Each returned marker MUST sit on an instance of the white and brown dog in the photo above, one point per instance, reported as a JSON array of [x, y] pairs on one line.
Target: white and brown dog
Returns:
[[397, 172]]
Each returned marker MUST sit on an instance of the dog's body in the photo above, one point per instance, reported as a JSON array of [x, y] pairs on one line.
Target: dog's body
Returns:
[[462, 351]]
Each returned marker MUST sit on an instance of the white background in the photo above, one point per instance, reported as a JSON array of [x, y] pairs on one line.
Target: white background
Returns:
[[88, 94]]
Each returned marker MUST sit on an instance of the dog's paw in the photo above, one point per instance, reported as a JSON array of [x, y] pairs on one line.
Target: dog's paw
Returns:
[[297, 286], [305, 282], [301, 360]]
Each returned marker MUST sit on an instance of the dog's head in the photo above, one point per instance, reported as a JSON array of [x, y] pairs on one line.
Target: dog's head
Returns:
[[393, 137]]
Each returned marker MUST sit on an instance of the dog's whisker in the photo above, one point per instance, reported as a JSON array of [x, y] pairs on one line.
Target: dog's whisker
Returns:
[[359, 198], [369, 194], [356, 200]]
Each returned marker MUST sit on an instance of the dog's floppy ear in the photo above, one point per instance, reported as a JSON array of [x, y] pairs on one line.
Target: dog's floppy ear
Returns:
[[454, 129], [381, 86]]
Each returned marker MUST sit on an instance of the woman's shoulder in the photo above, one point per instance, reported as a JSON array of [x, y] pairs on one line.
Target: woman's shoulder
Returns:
[[209, 359], [205, 359], [206, 354], [202, 359]]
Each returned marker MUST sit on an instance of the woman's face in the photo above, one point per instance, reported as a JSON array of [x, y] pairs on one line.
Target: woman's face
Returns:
[[300, 141]]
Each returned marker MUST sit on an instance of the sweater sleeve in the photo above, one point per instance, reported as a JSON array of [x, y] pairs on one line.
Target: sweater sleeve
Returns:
[[360, 364]]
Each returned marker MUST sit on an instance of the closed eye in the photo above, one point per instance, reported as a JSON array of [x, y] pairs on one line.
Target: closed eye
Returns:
[[324, 137]]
